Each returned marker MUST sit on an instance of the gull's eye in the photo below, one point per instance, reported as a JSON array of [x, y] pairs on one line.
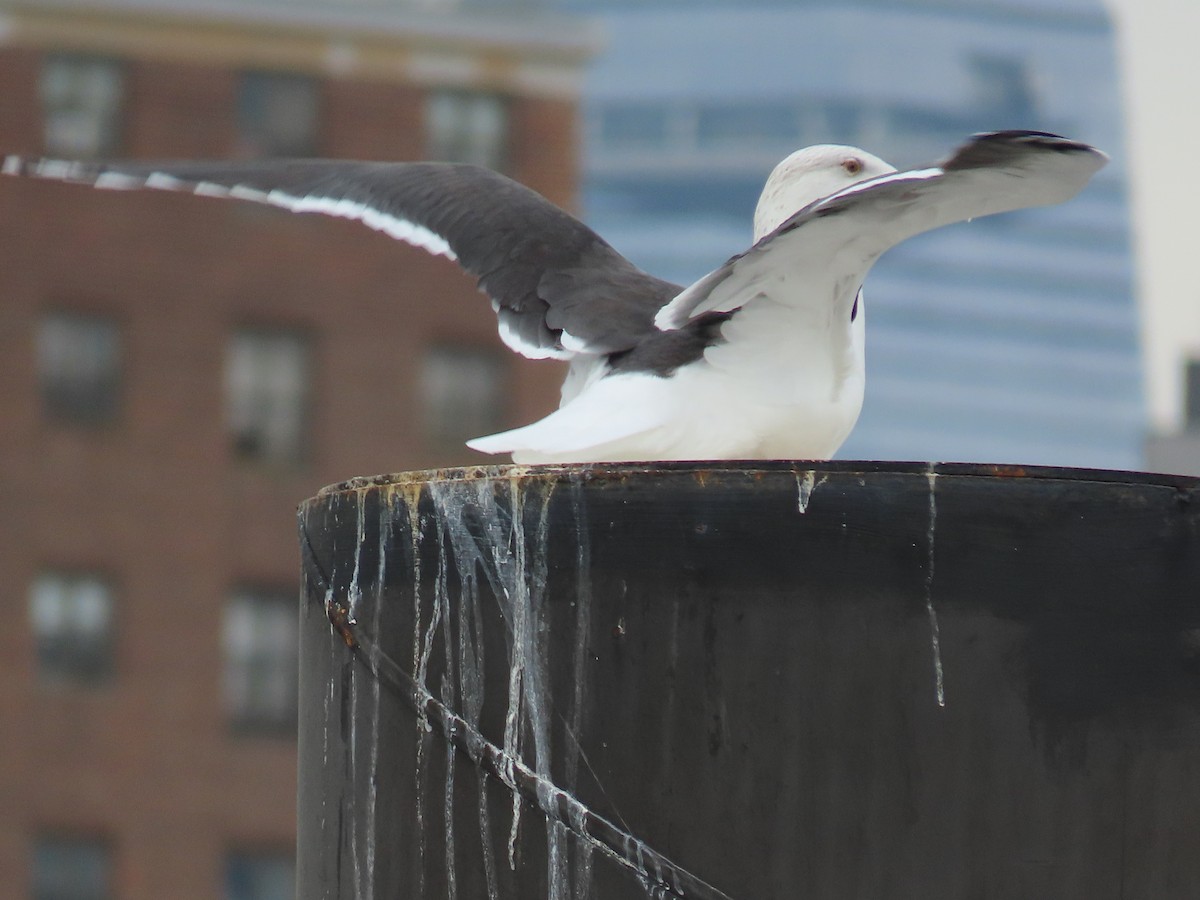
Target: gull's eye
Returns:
[[852, 164]]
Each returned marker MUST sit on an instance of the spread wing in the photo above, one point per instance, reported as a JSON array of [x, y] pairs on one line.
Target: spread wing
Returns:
[[835, 241], [558, 288]]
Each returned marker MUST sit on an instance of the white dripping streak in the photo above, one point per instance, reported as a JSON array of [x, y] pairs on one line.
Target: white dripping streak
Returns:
[[583, 855], [354, 598], [414, 531], [518, 581], [934, 629], [557, 804], [505, 569], [493, 541], [355, 592], [582, 873], [448, 700], [385, 535], [518, 609], [451, 870], [328, 702], [421, 653], [485, 836], [804, 489], [535, 685], [470, 650], [471, 691]]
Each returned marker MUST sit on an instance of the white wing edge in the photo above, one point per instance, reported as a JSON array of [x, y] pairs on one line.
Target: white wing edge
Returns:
[[393, 226]]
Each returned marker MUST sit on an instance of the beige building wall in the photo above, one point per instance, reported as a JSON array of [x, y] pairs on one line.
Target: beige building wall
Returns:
[[1159, 46]]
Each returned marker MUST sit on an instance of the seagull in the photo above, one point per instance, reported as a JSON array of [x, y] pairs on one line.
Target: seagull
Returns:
[[762, 358]]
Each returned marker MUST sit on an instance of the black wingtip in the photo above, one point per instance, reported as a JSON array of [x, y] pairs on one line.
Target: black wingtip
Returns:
[[994, 147]]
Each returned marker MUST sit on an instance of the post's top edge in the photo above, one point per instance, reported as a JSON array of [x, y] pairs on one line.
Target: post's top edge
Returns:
[[592, 471]]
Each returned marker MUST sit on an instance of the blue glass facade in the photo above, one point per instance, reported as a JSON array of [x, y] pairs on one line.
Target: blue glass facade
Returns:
[[1011, 339]]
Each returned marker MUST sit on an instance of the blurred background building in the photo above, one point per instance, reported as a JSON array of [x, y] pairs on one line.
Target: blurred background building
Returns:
[[1013, 339], [177, 374], [1161, 81]]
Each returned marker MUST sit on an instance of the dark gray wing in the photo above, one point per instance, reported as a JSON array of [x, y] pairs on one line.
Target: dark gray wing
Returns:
[[557, 287], [832, 243]]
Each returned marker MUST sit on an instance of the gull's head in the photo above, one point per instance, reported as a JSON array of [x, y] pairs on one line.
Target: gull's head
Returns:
[[808, 175]]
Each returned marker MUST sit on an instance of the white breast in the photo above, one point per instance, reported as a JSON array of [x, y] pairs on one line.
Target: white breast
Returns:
[[793, 375]]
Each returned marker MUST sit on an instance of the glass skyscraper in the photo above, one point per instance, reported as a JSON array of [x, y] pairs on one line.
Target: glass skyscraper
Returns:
[[1010, 339]]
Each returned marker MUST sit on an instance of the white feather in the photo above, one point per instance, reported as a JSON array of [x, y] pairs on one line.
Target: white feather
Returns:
[[393, 226], [516, 343], [117, 181], [164, 182]]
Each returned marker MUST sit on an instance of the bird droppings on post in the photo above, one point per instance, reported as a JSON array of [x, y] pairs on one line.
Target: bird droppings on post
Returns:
[[490, 554], [476, 535], [805, 485], [935, 631]]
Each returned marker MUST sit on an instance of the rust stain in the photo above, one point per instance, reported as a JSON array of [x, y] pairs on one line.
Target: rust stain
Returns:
[[1006, 471], [339, 617]]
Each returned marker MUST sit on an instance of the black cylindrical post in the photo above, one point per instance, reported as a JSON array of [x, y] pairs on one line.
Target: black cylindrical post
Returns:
[[759, 680]]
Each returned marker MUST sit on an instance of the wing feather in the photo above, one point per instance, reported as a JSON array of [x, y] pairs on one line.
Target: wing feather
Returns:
[[837, 239], [546, 272]]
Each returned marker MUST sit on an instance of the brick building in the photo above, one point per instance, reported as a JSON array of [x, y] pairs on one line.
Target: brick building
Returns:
[[178, 373]]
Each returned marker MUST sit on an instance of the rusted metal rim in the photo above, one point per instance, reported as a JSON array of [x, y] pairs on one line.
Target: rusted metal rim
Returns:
[[755, 467]]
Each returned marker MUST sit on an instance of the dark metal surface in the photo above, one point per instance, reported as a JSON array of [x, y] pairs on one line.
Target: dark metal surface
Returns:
[[762, 680]]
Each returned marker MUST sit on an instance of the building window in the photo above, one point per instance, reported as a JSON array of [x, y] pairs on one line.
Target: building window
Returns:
[[267, 390], [71, 869], [72, 621], [462, 394], [261, 631], [462, 126], [277, 114], [260, 876], [81, 105], [79, 368]]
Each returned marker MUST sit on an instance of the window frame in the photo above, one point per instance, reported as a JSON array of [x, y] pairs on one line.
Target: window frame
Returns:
[[246, 440], [77, 672], [453, 132], [54, 369], [110, 123], [243, 665], [258, 133]]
